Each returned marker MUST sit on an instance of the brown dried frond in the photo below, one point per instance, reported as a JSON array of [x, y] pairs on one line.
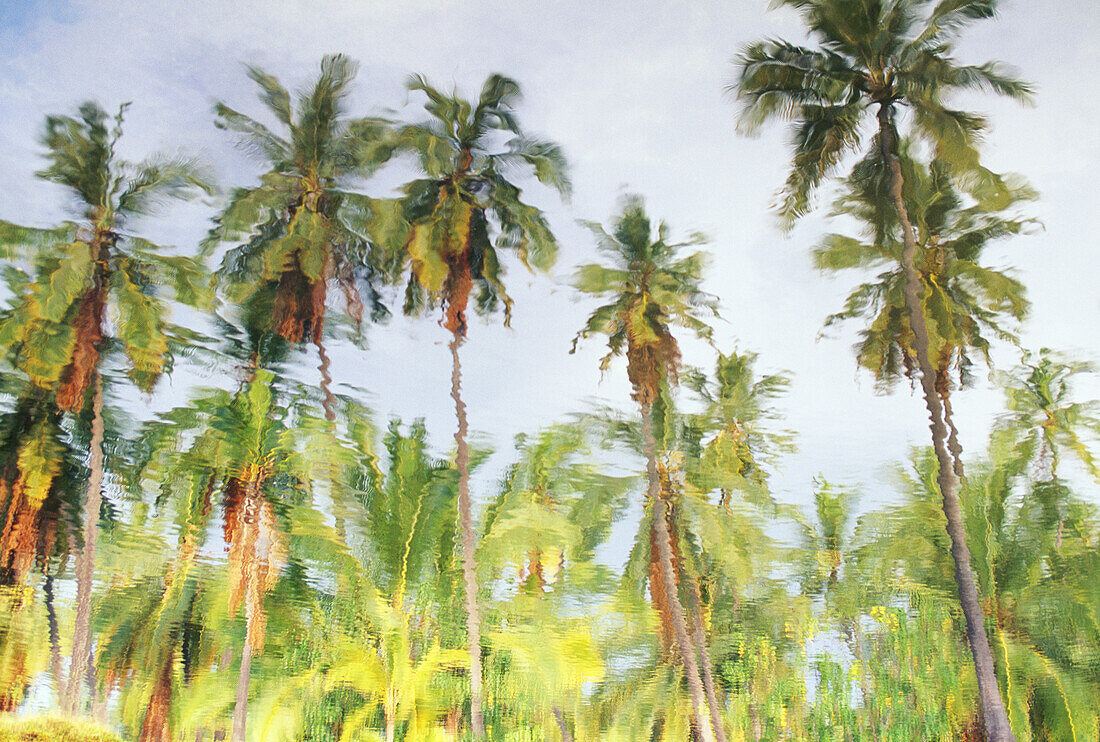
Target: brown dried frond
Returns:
[[29, 534], [298, 313], [157, 726], [88, 326], [650, 363], [232, 504], [15, 552], [292, 304], [456, 292], [257, 551]]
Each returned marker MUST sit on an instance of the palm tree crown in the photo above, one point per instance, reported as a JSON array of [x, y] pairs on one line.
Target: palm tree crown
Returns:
[[452, 211], [879, 53], [650, 287], [1043, 419], [56, 329], [965, 300], [302, 226]]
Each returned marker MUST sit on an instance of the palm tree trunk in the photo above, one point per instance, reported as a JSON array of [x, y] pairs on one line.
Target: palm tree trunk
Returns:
[[994, 718], [328, 399], [466, 524], [155, 727], [391, 724], [953, 444], [240, 708], [676, 611], [85, 562], [700, 639], [54, 631], [253, 612], [563, 725]]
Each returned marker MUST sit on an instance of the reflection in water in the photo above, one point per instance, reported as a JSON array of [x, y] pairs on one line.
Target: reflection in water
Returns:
[[262, 562]]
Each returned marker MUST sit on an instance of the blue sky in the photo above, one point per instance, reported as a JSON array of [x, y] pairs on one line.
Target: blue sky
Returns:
[[19, 14]]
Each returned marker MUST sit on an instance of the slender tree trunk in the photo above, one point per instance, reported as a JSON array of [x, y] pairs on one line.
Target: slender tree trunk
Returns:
[[255, 623], [563, 725], [664, 552], [328, 399], [700, 639], [953, 444], [391, 724], [466, 523], [240, 708], [994, 718], [156, 727], [85, 562], [319, 293], [54, 632]]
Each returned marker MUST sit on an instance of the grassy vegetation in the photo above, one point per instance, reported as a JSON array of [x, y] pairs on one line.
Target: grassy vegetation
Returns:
[[48, 729]]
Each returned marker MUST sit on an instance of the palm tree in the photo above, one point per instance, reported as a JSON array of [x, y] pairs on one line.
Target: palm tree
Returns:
[[884, 55], [57, 329], [1040, 599], [651, 287], [261, 457], [239, 456], [725, 447], [965, 301], [302, 227], [152, 628], [1043, 420], [408, 517], [731, 438], [541, 534], [452, 212]]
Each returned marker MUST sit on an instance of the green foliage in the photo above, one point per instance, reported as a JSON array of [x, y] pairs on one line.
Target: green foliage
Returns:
[[1042, 420], [303, 226], [48, 729], [339, 540], [964, 301], [870, 55], [650, 288], [452, 214], [97, 270]]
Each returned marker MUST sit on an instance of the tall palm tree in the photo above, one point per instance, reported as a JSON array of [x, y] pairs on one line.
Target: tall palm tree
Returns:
[[257, 455], [650, 287], [1040, 598], [966, 301], [1043, 420], [879, 56], [303, 227], [57, 331], [728, 446], [452, 213]]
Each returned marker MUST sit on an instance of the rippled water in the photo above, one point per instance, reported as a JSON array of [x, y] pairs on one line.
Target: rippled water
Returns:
[[293, 482]]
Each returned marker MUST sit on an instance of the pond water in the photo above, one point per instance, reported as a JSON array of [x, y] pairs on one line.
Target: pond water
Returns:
[[373, 424]]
